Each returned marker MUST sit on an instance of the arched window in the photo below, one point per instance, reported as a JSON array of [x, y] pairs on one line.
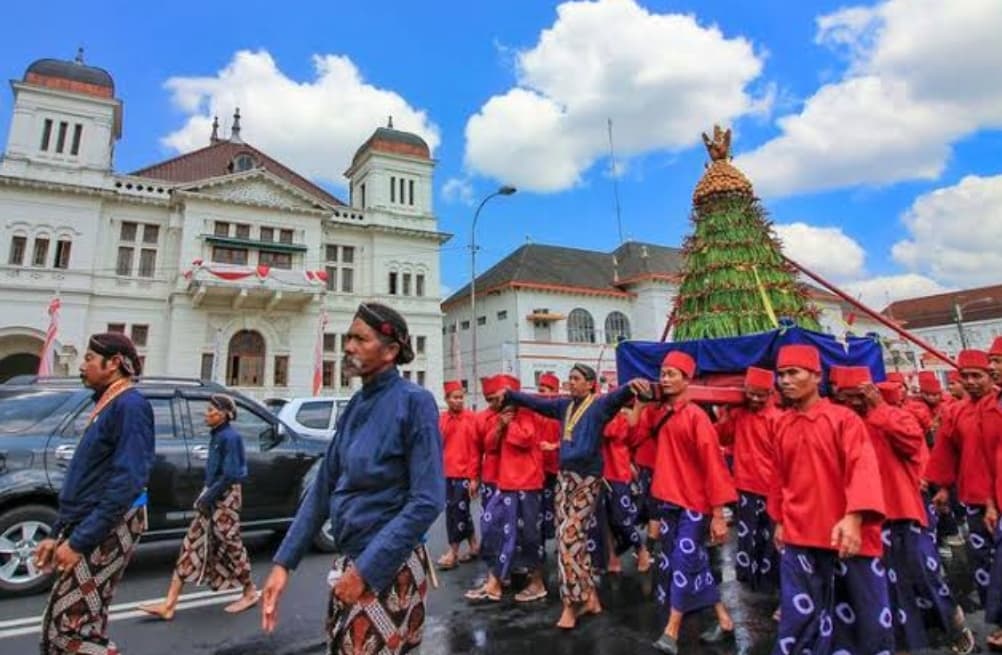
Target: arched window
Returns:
[[245, 360], [617, 327], [580, 327], [242, 162]]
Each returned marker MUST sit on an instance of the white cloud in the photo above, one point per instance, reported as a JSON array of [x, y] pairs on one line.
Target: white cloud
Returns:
[[661, 78], [827, 251], [458, 189], [878, 292], [313, 126], [955, 232], [922, 74]]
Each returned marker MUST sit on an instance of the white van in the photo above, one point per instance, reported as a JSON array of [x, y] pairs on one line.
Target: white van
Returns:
[[313, 416]]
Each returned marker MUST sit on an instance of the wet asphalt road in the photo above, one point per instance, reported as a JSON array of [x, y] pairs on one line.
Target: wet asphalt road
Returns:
[[453, 627]]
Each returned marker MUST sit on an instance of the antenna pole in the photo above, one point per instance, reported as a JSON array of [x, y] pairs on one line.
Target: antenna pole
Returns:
[[615, 182]]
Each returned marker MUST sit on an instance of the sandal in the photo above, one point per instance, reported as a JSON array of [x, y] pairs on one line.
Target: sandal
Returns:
[[446, 563], [481, 593], [527, 596], [466, 557]]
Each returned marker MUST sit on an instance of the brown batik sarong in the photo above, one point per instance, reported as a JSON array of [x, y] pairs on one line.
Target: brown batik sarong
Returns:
[[76, 617], [387, 624], [213, 552], [576, 498]]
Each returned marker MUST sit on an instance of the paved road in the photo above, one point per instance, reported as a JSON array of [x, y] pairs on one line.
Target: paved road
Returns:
[[453, 627]]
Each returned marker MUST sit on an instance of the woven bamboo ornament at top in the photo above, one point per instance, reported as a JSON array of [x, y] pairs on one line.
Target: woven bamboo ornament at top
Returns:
[[734, 279]]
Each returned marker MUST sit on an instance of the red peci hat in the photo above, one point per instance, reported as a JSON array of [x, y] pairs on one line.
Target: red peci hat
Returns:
[[854, 376], [928, 382], [798, 355], [891, 391], [895, 376], [490, 385], [835, 375], [996, 348], [973, 359], [953, 376], [679, 360], [452, 385], [759, 378], [508, 382], [549, 380]]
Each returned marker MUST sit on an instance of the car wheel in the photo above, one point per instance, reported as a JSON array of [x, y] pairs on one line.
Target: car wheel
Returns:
[[21, 530], [324, 541]]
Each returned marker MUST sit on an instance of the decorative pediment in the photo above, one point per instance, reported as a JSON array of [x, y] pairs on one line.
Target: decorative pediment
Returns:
[[259, 188]]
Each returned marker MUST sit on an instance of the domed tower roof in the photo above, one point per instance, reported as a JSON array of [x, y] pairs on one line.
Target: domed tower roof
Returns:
[[387, 139], [73, 76]]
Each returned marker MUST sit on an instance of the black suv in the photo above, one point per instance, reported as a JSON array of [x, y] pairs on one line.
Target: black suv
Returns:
[[42, 419]]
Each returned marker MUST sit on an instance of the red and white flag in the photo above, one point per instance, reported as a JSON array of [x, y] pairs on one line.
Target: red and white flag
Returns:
[[318, 354], [47, 357]]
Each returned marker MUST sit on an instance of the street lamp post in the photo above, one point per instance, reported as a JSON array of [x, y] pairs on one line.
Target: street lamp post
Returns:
[[958, 315], [502, 191]]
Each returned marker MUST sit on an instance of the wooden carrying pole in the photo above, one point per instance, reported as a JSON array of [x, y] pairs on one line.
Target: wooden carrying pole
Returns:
[[883, 320]]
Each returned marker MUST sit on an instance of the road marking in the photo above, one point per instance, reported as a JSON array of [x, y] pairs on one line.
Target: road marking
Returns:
[[33, 624]]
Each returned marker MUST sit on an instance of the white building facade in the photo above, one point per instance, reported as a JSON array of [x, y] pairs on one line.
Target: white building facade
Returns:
[[221, 263]]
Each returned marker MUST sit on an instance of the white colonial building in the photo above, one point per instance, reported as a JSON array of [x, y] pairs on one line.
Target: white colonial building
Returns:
[[543, 308], [220, 263]]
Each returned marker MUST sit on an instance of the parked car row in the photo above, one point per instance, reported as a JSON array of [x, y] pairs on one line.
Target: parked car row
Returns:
[[42, 420]]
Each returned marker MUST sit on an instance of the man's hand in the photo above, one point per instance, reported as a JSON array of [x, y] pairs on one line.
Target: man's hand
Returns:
[[777, 537], [847, 535], [350, 587], [505, 416], [991, 517], [871, 394], [273, 589], [548, 446], [941, 500], [718, 527], [65, 557], [640, 387], [43, 555], [474, 487]]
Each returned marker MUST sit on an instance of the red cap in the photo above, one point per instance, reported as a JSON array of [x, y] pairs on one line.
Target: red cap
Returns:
[[490, 385], [928, 382], [835, 374], [953, 376], [996, 348], [894, 376], [854, 376], [506, 381], [973, 359], [891, 391], [549, 380], [681, 361], [452, 385], [798, 355], [759, 378]]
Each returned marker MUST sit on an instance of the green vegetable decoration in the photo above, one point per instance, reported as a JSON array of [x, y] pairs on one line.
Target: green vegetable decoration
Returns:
[[734, 279]]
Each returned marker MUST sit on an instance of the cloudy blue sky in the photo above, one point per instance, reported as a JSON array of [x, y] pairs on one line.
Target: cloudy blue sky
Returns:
[[871, 131]]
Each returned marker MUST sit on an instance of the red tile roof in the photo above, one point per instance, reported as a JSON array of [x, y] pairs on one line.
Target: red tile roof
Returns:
[[216, 159], [980, 304]]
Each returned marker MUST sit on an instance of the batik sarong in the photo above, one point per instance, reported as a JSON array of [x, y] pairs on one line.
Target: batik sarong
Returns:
[[514, 538], [213, 552], [458, 523], [646, 505], [993, 598], [487, 491], [549, 506], [980, 550], [830, 605], [76, 617], [756, 562], [619, 516], [919, 594], [576, 498], [684, 581], [389, 623]]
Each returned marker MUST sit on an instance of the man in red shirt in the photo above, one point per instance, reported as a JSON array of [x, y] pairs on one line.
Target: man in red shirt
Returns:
[[828, 513], [959, 457], [617, 511], [548, 430], [693, 485], [751, 430], [995, 359], [512, 521], [645, 452], [918, 590], [458, 427], [955, 386], [914, 405]]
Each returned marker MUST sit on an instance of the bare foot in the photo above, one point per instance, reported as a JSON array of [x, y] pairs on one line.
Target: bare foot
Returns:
[[643, 561], [160, 611], [447, 561], [243, 603], [568, 618], [594, 605]]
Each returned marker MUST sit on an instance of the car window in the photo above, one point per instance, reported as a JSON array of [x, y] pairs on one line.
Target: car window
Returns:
[[315, 414], [21, 411], [250, 425], [163, 419]]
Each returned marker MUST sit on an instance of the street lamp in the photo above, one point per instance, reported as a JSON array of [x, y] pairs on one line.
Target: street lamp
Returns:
[[502, 191], [958, 315]]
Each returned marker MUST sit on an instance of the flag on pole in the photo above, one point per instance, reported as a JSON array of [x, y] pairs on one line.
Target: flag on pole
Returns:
[[46, 360], [318, 354]]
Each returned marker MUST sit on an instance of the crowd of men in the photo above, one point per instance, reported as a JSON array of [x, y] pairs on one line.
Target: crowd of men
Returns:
[[846, 493]]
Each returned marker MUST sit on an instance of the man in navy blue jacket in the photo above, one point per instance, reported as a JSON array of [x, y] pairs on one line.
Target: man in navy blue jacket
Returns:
[[102, 503], [382, 485]]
